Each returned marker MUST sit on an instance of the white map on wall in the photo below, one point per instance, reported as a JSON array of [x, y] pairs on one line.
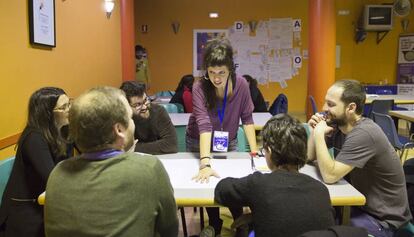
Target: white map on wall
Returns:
[[267, 55]]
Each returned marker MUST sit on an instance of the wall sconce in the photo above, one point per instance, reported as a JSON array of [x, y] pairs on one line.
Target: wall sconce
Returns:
[[109, 6], [253, 26], [175, 26]]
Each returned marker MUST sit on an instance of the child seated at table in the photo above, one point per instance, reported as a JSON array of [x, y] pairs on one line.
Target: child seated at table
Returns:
[[283, 202]]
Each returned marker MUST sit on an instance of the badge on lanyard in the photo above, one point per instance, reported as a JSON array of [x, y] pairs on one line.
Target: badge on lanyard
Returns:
[[220, 141], [221, 138]]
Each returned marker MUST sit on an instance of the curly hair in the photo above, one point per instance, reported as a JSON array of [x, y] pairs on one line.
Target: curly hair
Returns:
[[286, 138], [133, 88]]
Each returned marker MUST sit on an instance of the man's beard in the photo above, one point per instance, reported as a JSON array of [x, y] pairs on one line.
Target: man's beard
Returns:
[[336, 121]]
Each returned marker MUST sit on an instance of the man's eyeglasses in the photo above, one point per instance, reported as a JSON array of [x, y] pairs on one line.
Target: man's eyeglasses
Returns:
[[138, 106]]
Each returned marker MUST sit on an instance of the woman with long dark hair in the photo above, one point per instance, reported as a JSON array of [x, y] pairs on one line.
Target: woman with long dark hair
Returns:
[[257, 97], [220, 101], [40, 147], [183, 93]]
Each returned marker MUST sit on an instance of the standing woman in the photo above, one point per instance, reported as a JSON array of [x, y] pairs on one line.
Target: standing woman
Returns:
[[220, 100], [40, 147]]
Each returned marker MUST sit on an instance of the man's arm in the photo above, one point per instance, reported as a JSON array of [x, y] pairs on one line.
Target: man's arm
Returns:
[[234, 192], [331, 170], [251, 136]]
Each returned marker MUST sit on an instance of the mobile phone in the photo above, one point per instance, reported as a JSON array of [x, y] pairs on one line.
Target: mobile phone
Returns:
[[219, 157]]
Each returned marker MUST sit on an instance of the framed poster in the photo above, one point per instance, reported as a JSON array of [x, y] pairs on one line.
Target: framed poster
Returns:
[[42, 22], [200, 40]]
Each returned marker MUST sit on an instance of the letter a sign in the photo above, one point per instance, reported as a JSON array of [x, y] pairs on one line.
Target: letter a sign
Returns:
[[297, 25]]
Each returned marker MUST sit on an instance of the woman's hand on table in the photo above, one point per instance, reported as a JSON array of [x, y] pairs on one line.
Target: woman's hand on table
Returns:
[[204, 175]]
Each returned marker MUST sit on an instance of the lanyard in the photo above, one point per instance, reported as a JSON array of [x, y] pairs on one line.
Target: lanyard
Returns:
[[221, 111], [101, 155]]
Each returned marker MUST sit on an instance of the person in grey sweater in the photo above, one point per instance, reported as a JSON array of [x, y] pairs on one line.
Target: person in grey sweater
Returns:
[[107, 191]]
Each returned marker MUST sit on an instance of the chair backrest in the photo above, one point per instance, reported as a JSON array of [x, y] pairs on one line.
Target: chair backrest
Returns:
[[180, 107], [171, 108], [381, 106], [280, 105], [242, 144], [5, 170], [388, 127], [313, 104], [165, 93], [180, 131]]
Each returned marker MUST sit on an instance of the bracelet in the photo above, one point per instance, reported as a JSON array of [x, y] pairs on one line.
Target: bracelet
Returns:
[[205, 157], [202, 166]]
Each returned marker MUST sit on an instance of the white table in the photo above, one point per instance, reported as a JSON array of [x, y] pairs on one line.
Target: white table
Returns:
[[398, 99], [181, 119], [181, 167], [403, 114]]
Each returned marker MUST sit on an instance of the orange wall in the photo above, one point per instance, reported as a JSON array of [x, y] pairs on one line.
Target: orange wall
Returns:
[[368, 61], [87, 54], [170, 55]]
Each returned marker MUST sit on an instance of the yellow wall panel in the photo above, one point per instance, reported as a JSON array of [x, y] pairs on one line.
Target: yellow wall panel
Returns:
[[87, 54]]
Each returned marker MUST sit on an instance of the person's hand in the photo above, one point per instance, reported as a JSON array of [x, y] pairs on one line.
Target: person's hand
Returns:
[[204, 175], [315, 119], [322, 128]]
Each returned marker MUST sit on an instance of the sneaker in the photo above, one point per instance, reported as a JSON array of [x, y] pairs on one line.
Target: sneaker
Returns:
[[208, 232]]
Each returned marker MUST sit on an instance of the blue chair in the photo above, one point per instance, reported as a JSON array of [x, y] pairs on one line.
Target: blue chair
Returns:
[[171, 108], [242, 144], [313, 104], [165, 93], [5, 171], [387, 125], [383, 92], [180, 130], [180, 107], [405, 231], [381, 107]]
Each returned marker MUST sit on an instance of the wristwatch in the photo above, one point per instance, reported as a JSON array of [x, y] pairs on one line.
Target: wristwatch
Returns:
[[202, 166]]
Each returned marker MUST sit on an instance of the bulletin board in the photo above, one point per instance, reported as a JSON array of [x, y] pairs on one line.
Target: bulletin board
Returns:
[[268, 53]]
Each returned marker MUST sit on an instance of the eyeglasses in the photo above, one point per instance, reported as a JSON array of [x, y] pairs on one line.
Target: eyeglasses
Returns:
[[138, 106], [64, 107]]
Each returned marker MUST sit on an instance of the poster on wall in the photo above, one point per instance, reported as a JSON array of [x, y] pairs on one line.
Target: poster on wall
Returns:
[[405, 68], [42, 22], [200, 40]]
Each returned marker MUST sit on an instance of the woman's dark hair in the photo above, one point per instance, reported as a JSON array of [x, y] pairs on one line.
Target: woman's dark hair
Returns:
[[286, 138], [252, 82], [41, 118], [217, 53], [186, 81]]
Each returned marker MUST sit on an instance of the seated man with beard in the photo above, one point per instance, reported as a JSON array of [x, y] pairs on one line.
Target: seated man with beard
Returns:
[[154, 130], [363, 151]]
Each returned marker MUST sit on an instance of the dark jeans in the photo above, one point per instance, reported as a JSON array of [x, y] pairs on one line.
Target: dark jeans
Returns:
[[360, 218], [214, 217]]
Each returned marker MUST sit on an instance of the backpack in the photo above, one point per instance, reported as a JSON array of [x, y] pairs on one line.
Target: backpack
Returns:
[[280, 105]]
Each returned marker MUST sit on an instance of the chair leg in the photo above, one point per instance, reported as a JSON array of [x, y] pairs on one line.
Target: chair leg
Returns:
[[183, 222], [201, 217]]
